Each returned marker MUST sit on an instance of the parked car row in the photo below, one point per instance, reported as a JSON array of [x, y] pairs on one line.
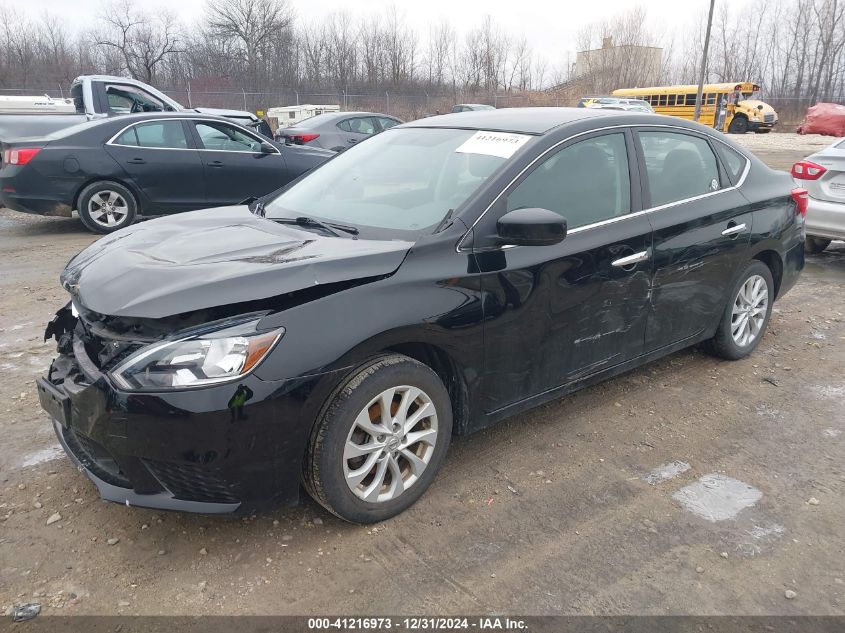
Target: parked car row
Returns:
[[433, 280]]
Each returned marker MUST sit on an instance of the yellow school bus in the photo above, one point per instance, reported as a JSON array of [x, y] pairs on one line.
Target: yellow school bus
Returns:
[[728, 107]]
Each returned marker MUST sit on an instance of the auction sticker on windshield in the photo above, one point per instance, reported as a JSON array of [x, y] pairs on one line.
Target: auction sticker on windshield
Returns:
[[501, 144]]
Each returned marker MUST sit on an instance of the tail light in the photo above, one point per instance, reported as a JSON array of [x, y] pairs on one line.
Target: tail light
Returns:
[[802, 200], [20, 155], [805, 170], [300, 139]]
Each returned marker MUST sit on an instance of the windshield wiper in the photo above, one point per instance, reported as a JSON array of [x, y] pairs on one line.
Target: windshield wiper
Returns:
[[326, 226]]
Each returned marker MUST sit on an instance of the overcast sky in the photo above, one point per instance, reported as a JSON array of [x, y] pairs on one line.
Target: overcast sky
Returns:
[[549, 25]]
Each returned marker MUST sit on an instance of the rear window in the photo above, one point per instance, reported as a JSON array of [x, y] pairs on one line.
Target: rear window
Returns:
[[841, 144]]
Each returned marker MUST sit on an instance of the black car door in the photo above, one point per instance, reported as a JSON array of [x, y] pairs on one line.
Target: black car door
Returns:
[[163, 164], [702, 226], [557, 314], [237, 164]]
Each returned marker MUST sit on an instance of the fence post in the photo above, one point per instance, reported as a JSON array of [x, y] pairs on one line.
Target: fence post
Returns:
[[297, 96], [190, 105], [387, 102], [244, 91], [61, 91]]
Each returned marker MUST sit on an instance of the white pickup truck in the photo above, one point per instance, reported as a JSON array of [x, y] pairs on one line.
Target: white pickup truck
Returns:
[[94, 96]]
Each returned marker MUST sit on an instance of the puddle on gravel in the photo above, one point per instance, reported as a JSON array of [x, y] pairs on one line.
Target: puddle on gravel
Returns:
[[715, 497], [666, 472]]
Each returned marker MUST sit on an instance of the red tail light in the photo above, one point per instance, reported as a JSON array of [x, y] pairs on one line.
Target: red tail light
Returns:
[[20, 155], [802, 201], [300, 139], [805, 170]]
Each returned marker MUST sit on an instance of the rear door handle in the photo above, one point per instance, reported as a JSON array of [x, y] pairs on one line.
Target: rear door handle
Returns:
[[216, 163], [630, 260], [352, 140], [733, 230], [136, 161]]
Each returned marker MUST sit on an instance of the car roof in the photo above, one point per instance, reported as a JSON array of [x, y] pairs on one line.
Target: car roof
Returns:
[[520, 120]]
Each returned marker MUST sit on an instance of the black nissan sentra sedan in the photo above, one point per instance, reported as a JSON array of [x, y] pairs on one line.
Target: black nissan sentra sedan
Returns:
[[430, 281]]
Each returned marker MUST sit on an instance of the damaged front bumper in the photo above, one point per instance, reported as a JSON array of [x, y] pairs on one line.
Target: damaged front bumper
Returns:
[[182, 450]]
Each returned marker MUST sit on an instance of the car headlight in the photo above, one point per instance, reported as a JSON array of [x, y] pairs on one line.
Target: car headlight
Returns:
[[196, 361]]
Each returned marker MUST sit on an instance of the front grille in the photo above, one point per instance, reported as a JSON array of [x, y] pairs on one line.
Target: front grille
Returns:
[[768, 118], [95, 458], [192, 482]]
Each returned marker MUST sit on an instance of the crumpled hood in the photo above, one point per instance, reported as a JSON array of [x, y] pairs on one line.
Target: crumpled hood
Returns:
[[214, 257]]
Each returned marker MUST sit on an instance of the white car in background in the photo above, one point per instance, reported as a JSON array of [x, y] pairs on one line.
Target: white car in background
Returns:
[[823, 176]]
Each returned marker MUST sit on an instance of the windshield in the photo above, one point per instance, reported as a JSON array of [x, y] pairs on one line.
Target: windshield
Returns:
[[403, 180]]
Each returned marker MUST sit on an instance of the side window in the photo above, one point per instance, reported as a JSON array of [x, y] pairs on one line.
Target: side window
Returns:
[[678, 166], [358, 125], [387, 123], [126, 99], [671, 101], [663, 100], [156, 135], [733, 161], [585, 182], [227, 138]]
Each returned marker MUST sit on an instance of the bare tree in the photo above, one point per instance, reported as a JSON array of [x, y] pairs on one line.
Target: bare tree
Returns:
[[142, 41], [248, 26]]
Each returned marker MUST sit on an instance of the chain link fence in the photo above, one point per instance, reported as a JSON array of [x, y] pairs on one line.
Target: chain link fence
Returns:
[[791, 110]]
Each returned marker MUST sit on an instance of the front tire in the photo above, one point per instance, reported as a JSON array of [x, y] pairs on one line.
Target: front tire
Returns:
[[106, 206], [739, 125], [379, 441], [746, 315], [815, 245]]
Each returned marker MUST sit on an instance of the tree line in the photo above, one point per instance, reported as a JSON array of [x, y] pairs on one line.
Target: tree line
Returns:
[[794, 48]]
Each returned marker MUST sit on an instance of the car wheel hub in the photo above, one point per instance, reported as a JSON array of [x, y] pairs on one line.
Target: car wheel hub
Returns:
[[390, 444], [107, 208], [749, 310]]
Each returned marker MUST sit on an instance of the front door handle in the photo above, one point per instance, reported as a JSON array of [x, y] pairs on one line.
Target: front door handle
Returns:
[[136, 161], [630, 260], [216, 163], [352, 140], [734, 230]]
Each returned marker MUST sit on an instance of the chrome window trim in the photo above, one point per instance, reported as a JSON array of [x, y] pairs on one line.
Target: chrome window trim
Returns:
[[111, 141], [629, 126]]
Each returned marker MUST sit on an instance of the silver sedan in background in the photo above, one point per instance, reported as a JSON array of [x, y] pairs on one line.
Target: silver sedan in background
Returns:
[[336, 130], [823, 176]]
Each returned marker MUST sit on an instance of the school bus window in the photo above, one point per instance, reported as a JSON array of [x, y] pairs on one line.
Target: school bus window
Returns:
[[711, 99], [671, 100], [691, 99], [662, 100]]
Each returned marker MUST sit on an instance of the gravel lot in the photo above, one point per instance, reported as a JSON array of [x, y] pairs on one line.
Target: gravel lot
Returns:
[[605, 502]]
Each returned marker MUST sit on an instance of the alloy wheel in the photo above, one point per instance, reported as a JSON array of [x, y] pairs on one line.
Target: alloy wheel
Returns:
[[107, 208], [749, 310], [390, 444]]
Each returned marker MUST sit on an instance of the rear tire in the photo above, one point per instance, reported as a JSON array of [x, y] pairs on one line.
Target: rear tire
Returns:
[[106, 206], [815, 245], [379, 441], [739, 125], [746, 315]]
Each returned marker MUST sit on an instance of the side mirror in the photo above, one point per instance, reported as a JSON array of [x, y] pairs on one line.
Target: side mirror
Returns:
[[531, 227], [267, 148]]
